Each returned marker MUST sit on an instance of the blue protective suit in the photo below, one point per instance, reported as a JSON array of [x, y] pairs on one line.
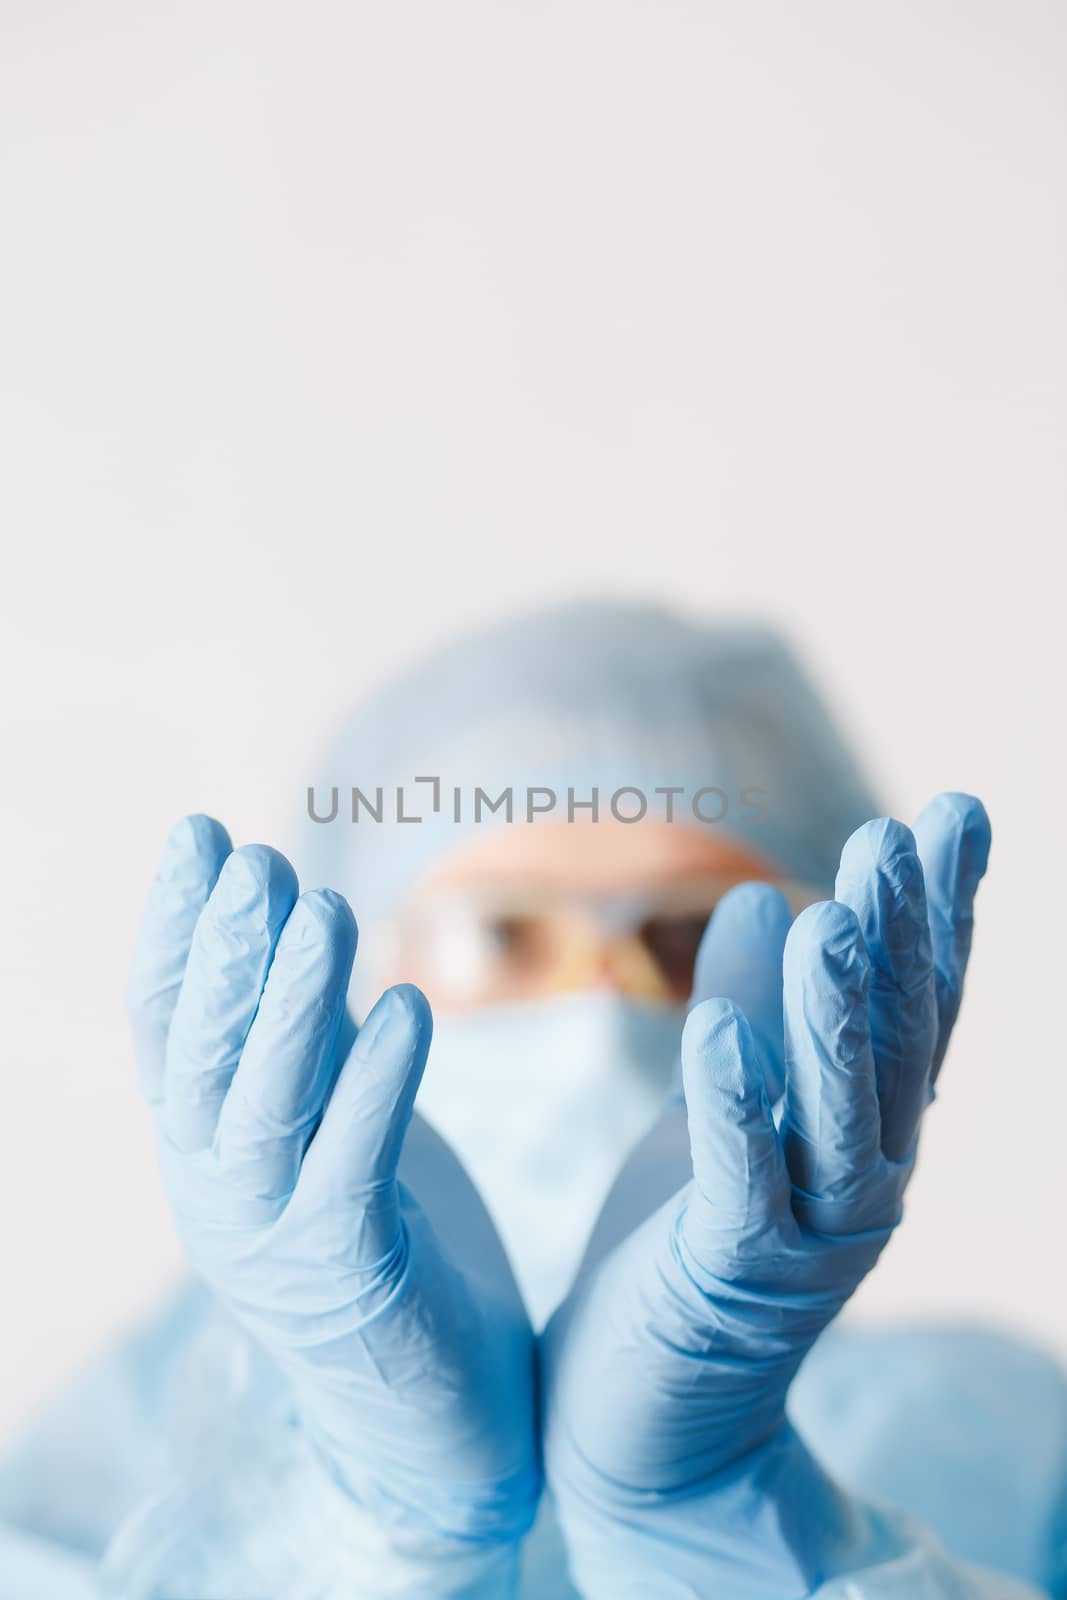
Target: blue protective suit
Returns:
[[175, 1447]]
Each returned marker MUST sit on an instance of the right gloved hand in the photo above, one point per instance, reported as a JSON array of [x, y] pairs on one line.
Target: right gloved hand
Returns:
[[666, 1370], [398, 1324]]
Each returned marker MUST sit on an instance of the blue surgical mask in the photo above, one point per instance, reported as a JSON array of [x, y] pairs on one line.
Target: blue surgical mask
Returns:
[[542, 1101]]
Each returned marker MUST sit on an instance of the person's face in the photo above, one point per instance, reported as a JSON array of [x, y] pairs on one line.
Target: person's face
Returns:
[[523, 913]]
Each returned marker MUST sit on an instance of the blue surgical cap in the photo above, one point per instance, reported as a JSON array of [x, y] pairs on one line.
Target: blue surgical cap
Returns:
[[621, 699]]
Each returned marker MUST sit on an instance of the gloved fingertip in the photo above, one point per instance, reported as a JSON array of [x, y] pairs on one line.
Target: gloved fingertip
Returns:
[[884, 844], [718, 1051], [412, 1005], [403, 1009], [709, 1018], [323, 916], [251, 874], [755, 916], [754, 905], [193, 841], [963, 817], [197, 828], [827, 936]]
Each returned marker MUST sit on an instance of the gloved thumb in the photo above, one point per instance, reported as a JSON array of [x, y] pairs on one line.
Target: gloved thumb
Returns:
[[740, 1181], [350, 1166], [740, 959]]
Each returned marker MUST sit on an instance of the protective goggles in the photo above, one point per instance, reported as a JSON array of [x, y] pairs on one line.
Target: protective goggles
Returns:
[[479, 946]]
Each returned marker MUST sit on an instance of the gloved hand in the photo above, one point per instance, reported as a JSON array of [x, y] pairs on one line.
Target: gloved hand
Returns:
[[281, 1131], [666, 1370]]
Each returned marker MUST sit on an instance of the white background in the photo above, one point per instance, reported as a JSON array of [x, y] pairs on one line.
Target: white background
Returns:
[[329, 328]]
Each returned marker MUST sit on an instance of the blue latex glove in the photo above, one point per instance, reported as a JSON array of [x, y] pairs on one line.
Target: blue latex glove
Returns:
[[281, 1131], [666, 1371]]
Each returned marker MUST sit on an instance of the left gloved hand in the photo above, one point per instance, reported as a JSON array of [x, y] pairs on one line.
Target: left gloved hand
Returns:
[[391, 1309], [667, 1368]]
